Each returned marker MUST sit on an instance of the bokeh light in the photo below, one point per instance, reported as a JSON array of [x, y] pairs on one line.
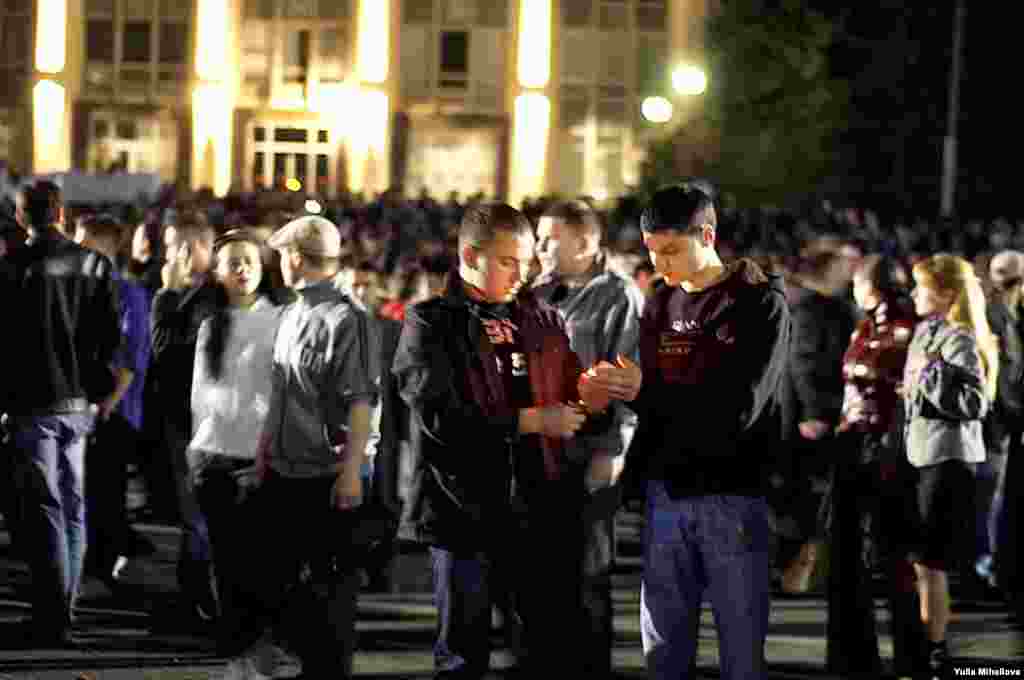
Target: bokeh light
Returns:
[[656, 110], [689, 80]]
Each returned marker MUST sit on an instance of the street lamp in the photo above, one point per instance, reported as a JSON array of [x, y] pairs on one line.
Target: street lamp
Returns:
[[689, 80], [656, 110]]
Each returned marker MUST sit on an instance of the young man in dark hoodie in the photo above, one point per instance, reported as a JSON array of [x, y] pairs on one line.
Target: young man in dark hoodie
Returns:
[[505, 433], [713, 347]]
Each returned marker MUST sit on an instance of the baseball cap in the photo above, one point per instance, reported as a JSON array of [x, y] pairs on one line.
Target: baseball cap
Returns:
[[310, 234]]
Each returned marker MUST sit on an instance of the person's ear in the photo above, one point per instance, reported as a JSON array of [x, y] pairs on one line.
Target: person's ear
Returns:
[[708, 236], [470, 256]]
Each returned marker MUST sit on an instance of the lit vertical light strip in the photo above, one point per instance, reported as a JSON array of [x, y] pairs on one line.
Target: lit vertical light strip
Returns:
[[529, 146], [534, 43], [51, 36], [374, 30], [50, 152], [211, 39], [212, 100], [368, 140], [211, 130]]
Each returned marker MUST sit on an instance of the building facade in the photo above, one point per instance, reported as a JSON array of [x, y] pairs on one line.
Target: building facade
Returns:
[[510, 98]]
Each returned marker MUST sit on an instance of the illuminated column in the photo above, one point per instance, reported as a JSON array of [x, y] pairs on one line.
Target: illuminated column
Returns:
[[51, 125], [213, 97], [531, 113], [368, 100]]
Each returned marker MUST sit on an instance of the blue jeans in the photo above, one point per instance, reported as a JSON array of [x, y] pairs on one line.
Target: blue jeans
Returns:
[[53, 487], [716, 545]]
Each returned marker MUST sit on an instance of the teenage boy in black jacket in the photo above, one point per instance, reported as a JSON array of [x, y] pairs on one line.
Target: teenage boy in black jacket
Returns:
[[185, 300], [505, 438], [713, 347]]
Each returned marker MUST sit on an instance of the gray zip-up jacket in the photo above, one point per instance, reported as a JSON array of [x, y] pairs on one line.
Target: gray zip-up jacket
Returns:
[[602, 320], [944, 395], [326, 356]]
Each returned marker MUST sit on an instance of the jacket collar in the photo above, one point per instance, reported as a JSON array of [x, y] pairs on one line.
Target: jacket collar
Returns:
[[322, 291]]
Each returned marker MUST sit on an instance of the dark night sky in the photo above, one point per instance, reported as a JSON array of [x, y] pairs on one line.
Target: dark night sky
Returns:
[[897, 58]]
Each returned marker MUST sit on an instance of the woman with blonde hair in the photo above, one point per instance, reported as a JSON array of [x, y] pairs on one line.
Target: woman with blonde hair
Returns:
[[949, 383]]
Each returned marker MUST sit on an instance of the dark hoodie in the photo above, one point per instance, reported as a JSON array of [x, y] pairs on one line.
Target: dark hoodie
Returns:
[[712, 363]]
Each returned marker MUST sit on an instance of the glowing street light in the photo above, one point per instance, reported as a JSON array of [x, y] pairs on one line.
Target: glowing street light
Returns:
[[656, 109], [689, 80]]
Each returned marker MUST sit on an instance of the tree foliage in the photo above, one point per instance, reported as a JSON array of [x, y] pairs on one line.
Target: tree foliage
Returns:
[[772, 112]]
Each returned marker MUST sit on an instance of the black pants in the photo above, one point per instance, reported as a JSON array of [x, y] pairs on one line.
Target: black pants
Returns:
[[290, 525], [534, 569], [112, 444], [230, 514], [872, 509]]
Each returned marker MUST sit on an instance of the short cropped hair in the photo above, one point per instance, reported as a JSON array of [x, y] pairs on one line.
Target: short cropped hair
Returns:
[[577, 214], [102, 225], [41, 203], [683, 207], [482, 222]]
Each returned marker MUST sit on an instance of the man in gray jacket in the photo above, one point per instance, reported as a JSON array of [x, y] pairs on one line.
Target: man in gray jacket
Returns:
[[602, 312], [321, 427]]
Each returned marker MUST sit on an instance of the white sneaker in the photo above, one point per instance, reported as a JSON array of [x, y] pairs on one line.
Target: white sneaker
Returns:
[[241, 668], [273, 661]]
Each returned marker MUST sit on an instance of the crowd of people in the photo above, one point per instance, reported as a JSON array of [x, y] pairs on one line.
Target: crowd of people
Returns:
[[303, 383]]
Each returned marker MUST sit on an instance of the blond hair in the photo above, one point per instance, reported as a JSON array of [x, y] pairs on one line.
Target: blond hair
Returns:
[[952, 274]]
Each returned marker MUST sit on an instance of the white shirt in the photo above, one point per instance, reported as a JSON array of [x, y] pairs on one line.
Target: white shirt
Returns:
[[228, 412]]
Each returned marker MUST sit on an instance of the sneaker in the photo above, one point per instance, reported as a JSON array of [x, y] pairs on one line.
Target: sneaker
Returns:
[[938, 660], [241, 668], [273, 661]]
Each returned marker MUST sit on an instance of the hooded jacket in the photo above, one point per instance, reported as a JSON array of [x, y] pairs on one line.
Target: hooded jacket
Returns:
[[712, 362]]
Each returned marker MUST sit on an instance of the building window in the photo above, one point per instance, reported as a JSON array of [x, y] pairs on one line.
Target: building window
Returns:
[[614, 15], [454, 59], [136, 41], [576, 13], [296, 57], [332, 61], [651, 15], [173, 43], [418, 11], [284, 151], [127, 143], [15, 51], [291, 46], [137, 48], [99, 45]]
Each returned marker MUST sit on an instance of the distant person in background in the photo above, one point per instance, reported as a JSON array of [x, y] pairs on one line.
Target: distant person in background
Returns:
[[186, 298], [869, 503], [230, 401], [119, 417], [1001, 567], [65, 335], [949, 384], [144, 261], [644, 277], [824, 317], [602, 311]]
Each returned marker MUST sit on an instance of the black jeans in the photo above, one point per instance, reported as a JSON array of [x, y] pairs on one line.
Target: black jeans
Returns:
[[287, 525], [107, 453], [230, 514], [871, 513], [534, 566]]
